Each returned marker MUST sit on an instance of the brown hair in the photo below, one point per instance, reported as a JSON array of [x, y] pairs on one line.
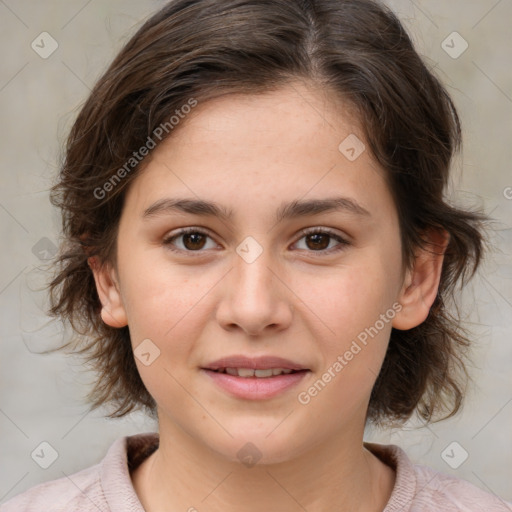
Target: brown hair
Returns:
[[201, 49]]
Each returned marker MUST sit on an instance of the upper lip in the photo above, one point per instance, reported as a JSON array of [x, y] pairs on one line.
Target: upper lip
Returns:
[[256, 363]]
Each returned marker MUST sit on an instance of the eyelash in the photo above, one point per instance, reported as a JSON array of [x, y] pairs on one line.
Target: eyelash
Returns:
[[324, 231]]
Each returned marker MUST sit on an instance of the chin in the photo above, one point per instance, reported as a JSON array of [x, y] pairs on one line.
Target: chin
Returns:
[[264, 445]]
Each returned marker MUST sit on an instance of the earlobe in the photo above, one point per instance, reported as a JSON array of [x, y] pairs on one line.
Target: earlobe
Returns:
[[421, 283], [113, 312]]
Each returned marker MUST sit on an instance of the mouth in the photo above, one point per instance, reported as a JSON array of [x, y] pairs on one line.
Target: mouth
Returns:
[[255, 378], [261, 367], [259, 374]]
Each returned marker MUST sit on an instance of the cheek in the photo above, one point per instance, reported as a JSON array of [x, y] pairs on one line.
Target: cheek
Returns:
[[355, 303], [353, 355], [161, 299], [164, 305], [350, 298]]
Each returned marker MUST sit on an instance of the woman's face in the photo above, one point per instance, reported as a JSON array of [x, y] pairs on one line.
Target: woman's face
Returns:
[[249, 175]]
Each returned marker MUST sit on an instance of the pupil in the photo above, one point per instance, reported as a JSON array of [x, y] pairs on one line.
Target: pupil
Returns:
[[316, 237], [192, 236]]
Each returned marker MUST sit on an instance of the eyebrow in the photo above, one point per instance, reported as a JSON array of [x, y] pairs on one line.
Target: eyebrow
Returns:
[[293, 209]]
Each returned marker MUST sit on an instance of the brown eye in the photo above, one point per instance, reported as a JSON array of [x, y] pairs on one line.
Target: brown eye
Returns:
[[319, 241], [193, 241], [190, 240]]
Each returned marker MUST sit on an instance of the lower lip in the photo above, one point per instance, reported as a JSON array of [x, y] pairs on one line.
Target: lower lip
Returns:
[[255, 388]]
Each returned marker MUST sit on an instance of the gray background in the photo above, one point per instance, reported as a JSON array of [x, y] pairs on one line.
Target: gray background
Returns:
[[42, 395]]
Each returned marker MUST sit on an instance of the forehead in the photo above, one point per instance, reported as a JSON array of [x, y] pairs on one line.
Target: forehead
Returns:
[[260, 118], [285, 144]]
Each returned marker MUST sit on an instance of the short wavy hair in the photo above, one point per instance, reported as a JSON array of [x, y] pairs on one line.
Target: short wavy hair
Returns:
[[202, 49]]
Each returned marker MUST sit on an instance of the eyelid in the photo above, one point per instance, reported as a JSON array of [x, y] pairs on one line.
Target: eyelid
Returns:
[[184, 231], [342, 240], [321, 229]]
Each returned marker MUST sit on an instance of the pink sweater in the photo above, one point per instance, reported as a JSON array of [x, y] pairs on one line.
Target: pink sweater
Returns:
[[107, 486]]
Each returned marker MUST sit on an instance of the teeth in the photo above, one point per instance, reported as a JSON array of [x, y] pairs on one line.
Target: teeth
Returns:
[[263, 373], [249, 372], [245, 372]]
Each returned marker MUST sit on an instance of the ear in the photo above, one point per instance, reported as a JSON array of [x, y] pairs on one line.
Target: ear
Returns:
[[113, 312], [422, 281]]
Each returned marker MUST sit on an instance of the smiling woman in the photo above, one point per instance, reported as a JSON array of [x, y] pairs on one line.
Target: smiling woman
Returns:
[[288, 240]]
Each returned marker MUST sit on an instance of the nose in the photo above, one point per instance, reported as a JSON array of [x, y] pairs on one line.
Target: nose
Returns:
[[255, 297]]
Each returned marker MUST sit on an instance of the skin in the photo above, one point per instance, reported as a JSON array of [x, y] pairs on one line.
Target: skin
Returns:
[[298, 301]]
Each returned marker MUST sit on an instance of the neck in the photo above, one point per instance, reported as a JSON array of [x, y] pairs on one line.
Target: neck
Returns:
[[184, 474]]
